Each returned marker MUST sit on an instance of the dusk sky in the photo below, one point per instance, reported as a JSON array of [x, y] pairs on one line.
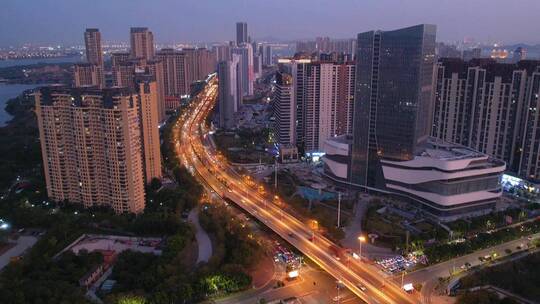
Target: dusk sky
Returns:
[[63, 21]]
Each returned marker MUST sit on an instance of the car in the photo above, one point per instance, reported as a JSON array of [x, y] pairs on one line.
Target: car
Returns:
[[338, 298], [291, 235], [361, 287]]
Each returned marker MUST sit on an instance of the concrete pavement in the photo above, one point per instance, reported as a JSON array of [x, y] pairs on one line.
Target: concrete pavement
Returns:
[[203, 241], [23, 243]]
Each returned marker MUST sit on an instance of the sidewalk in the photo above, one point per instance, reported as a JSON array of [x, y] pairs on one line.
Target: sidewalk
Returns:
[[203, 241]]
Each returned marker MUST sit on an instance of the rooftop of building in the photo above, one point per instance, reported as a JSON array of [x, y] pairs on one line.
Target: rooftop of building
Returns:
[[492, 67], [139, 29], [443, 150], [108, 94]]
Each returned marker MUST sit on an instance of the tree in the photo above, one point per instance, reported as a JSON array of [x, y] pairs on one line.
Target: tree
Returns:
[[155, 184]]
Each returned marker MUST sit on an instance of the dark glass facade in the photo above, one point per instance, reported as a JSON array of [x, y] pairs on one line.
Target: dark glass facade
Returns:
[[394, 74]]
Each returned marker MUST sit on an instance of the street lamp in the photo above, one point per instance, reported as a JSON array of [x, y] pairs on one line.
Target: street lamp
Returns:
[[361, 239], [315, 227]]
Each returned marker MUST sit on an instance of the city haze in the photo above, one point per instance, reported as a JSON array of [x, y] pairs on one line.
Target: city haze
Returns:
[[46, 21]]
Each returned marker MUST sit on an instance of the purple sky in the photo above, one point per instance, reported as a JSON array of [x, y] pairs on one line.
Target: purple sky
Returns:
[[63, 21]]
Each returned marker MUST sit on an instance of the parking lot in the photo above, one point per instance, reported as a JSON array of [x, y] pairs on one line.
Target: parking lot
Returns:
[[400, 263]]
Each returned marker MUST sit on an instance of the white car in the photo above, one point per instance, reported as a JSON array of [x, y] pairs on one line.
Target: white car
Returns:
[[362, 287]]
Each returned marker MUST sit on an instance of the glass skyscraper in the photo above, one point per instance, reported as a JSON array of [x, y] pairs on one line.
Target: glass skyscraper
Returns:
[[394, 74]]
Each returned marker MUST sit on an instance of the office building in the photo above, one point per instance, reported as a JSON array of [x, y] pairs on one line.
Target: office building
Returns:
[[241, 33], [391, 149], [245, 54], [267, 55], [229, 91], [142, 43], [92, 147], [257, 66], [393, 97]]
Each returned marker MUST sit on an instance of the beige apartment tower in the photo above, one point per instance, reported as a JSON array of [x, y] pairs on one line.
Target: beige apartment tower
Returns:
[[92, 146], [87, 74], [92, 42], [147, 89], [142, 43]]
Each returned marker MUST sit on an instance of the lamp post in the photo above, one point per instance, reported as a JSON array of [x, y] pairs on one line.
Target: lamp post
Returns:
[[339, 210], [316, 227], [361, 239]]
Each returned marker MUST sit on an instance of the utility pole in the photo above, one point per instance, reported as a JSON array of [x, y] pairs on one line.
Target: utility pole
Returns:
[[337, 285], [275, 174], [339, 210]]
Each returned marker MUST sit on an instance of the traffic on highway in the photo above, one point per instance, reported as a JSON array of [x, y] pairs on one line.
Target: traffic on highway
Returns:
[[196, 151]]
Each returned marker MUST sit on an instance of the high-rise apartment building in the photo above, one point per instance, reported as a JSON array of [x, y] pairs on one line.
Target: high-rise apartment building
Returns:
[[284, 108], [323, 100], [529, 164], [123, 74], [326, 45], [199, 63], [118, 57], [222, 52], [90, 73], [241, 33], [92, 42], [154, 68], [142, 43], [245, 53], [175, 76], [87, 74], [229, 91], [92, 147], [147, 97], [487, 106]]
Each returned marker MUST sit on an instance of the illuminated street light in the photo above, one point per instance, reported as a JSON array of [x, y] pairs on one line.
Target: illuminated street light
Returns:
[[361, 239]]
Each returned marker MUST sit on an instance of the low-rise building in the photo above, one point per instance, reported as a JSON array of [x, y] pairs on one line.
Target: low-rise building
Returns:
[[446, 180]]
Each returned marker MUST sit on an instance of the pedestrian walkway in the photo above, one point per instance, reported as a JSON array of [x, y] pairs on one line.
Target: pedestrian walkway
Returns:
[[23, 243], [203, 241]]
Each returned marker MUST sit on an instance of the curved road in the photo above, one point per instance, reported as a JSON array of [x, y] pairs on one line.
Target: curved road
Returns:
[[205, 163]]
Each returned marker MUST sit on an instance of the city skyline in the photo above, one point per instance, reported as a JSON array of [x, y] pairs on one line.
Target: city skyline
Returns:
[[215, 21]]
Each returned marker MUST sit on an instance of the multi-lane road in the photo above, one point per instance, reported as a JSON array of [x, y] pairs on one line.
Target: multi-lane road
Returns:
[[198, 155]]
